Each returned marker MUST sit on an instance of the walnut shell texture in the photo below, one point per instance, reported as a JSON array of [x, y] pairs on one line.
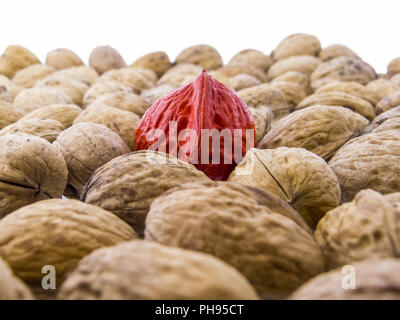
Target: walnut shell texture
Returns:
[[128, 184], [104, 58], [87, 146], [266, 95], [47, 129], [147, 270], [63, 58], [366, 228], [122, 122], [296, 175], [12, 288], [28, 77], [274, 253], [305, 64], [157, 61], [251, 57], [203, 55], [319, 129], [369, 161], [63, 113], [297, 44], [31, 169], [34, 98], [375, 279], [59, 233], [125, 101]]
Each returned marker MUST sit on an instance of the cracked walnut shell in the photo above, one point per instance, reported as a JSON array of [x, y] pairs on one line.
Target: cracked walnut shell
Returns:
[[296, 175], [31, 169]]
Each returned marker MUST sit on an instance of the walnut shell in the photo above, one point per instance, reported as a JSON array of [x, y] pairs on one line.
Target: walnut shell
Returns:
[[8, 114], [63, 113], [334, 51], [293, 92], [84, 74], [129, 77], [304, 64], [59, 233], [157, 61], [390, 114], [31, 169], [374, 279], [297, 44], [233, 70], [125, 101], [243, 81], [175, 75], [34, 98], [11, 88], [296, 175], [63, 58], [337, 98], [101, 88], [394, 66], [383, 87], [394, 79], [72, 87], [370, 161], [28, 77], [153, 94], [365, 228], [128, 184], [253, 58], [122, 122], [15, 58], [47, 129], [351, 87], [390, 101], [263, 117], [147, 271], [296, 77], [319, 129], [5, 95], [343, 68], [12, 288], [266, 95], [105, 58], [274, 252], [203, 55], [87, 146]]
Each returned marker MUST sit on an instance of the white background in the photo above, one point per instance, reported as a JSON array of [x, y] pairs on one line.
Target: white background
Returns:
[[371, 28]]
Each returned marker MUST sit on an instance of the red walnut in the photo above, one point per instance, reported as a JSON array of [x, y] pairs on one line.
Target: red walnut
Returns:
[[204, 123]]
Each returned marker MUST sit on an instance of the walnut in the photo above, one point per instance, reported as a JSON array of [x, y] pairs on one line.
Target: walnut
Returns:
[[225, 219], [31, 170], [362, 229], [87, 146], [296, 175], [128, 184], [319, 129]]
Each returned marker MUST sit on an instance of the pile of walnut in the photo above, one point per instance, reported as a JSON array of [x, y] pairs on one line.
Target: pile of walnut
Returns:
[[321, 191]]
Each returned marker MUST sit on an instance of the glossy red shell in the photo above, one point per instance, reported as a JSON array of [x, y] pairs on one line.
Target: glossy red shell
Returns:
[[178, 124]]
